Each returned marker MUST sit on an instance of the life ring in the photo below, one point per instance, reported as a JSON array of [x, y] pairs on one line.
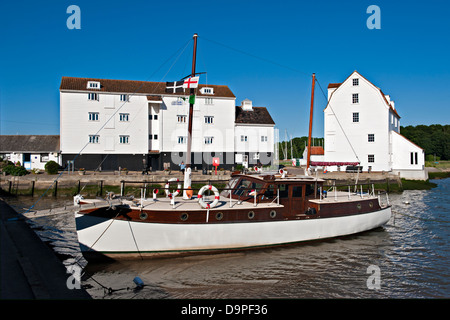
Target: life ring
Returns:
[[166, 188], [202, 203]]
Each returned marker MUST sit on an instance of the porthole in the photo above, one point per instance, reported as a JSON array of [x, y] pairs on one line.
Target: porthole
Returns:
[[358, 206], [273, 214], [219, 216], [371, 204], [251, 215], [143, 215], [184, 216]]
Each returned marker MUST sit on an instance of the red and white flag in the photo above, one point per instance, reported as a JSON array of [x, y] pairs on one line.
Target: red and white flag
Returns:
[[191, 83]]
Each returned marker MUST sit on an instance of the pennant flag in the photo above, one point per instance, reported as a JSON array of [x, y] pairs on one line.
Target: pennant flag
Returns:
[[173, 87], [191, 83]]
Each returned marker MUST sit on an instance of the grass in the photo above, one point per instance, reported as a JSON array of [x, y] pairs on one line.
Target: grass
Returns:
[[443, 164]]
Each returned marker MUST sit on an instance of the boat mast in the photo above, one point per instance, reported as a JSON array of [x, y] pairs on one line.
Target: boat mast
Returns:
[[310, 121], [187, 171]]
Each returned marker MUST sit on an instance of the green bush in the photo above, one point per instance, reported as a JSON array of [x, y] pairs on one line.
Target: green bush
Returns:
[[15, 170], [51, 167]]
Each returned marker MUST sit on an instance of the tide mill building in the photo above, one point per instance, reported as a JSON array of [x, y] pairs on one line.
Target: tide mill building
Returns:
[[138, 124], [362, 124]]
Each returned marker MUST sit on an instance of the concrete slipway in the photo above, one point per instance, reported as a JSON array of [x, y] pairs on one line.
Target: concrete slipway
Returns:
[[29, 269]]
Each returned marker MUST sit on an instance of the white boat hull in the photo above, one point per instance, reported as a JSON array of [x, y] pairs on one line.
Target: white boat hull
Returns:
[[121, 239]]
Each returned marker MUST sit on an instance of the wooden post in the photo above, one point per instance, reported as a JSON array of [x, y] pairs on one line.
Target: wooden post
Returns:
[[55, 190], [32, 188], [311, 120], [79, 187], [122, 188]]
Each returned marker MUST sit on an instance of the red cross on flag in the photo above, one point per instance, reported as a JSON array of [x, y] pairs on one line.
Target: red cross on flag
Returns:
[[191, 83]]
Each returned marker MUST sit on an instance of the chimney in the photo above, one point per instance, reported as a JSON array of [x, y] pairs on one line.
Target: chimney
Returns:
[[247, 105]]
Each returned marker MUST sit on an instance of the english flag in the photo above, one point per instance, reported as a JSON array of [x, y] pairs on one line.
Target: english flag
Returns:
[[174, 87], [191, 83]]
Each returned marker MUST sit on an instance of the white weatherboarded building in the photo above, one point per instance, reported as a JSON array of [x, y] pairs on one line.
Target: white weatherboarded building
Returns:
[[137, 125], [362, 125]]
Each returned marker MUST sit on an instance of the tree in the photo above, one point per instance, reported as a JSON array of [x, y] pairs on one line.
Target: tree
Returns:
[[434, 139]]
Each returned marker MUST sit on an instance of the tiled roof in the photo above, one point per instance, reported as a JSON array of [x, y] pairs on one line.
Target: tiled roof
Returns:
[[29, 143], [139, 87], [259, 115]]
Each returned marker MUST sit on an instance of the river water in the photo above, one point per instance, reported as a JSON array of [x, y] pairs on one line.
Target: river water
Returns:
[[407, 258]]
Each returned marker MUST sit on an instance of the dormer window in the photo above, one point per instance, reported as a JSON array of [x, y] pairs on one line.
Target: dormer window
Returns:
[[205, 90], [93, 85]]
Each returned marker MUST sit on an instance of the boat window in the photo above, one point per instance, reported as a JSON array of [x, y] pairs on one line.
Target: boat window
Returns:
[[309, 189], [283, 190], [270, 192], [245, 187], [230, 185], [297, 192]]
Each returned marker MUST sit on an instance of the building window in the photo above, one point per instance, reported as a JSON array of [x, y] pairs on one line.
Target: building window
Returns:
[[93, 138], [93, 85], [355, 116], [209, 119], [93, 96], [263, 138], [182, 140], [371, 158], [124, 139], [155, 117], [208, 101], [124, 116], [371, 137], [44, 157], [155, 137], [93, 116], [124, 97], [209, 140], [355, 98], [414, 158], [243, 138], [356, 82], [150, 136], [395, 121], [181, 118], [207, 90]]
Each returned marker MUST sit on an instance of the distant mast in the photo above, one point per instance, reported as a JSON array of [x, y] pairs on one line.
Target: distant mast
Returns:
[[187, 171], [310, 122]]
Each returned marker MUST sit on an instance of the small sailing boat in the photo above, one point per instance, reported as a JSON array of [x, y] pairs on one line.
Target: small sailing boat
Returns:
[[253, 210]]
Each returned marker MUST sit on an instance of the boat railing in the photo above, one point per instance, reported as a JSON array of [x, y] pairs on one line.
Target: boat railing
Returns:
[[361, 191]]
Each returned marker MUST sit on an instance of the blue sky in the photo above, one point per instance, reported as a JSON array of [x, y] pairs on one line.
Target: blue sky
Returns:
[[285, 42]]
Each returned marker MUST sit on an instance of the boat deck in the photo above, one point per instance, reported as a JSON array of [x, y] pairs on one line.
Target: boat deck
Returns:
[[163, 204]]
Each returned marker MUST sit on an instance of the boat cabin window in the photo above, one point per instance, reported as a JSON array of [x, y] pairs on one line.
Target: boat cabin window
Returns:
[[309, 189], [283, 190], [297, 192], [231, 184], [245, 187], [270, 192]]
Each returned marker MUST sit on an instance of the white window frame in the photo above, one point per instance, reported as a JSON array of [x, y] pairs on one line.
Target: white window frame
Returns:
[[124, 139], [209, 140], [355, 98], [371, 158], [93, 96], [124, 117], [209, 119], [355, 116], [93, 85], [124, 97], [182, 139], [94, 138], [181, 118], [244, 138], [371, 137], [93, 116], [355, 82], [263, 138], [209, 101]]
